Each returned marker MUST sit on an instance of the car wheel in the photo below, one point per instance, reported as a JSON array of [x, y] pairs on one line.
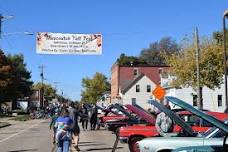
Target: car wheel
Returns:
[[133, 147]]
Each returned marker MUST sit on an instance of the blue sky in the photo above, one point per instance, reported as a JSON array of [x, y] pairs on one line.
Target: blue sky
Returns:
[[127, 26]]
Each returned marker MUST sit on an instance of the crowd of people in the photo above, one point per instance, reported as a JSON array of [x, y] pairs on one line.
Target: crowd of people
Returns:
[[65, 124]]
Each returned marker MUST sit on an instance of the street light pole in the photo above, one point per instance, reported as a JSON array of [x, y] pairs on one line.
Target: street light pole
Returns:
[[224, 47]]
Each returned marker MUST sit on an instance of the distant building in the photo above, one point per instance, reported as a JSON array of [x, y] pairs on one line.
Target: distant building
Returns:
[[35, 99], [128, 77], [213, 100], [138, 91]]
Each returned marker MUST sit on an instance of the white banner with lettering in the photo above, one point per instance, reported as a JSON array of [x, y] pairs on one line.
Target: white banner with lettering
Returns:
[[59, 43]]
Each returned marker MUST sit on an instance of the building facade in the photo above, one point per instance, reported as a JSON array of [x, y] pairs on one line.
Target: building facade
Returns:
[[122, 76], [138, 92], [213, 100]]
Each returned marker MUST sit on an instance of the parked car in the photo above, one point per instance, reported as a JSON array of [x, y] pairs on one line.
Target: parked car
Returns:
[[109, 114], [131, 134], [113, 125], [187, 137], [205, 148]]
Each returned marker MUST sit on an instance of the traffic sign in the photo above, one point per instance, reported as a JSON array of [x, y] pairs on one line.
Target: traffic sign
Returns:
[[159, 92]]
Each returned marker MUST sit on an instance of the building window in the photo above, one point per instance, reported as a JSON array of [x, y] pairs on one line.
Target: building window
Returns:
[[148, 88], [194, 100], [133, 101], [135, 72], [137, 88], [219, 100]]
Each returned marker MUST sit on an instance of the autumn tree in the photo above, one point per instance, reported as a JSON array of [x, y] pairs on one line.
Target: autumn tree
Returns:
[[21, 85], [183, 65], [14, 78], [154, 55], [5, 76], [93, 88]]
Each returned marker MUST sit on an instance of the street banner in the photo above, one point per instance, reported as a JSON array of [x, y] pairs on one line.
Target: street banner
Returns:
[[59, 43]]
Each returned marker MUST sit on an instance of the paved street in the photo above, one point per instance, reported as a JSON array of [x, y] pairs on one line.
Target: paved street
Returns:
[[99, 141], [34, 136], [28, 136]]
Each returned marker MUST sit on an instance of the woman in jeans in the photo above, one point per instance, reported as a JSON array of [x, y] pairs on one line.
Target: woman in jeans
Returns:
[[63, 133]]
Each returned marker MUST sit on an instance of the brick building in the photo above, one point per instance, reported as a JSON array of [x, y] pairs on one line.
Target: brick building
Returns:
[[122, 76]]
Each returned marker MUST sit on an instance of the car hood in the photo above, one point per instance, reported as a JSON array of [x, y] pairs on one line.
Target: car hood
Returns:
[[108, 109], [172, 115], [124, 111], [144, 115], [217, 123]]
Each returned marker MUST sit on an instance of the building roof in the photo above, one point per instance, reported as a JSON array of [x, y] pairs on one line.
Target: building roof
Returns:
[[129, 84]]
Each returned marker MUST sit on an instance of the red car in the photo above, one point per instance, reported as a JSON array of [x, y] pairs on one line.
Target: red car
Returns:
[[110, 114], [131, 113], [132, 134]]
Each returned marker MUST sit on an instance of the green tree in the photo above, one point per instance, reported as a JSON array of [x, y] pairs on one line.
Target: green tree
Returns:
[[183, 65], [218, 36], [94, 88], [49, 90], [154, 55], [21, 85], [5, 76], [124, 60]]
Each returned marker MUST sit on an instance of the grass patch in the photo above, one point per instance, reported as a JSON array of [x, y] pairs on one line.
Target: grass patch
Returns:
[[4, 124], [4, 116], [21, 118]]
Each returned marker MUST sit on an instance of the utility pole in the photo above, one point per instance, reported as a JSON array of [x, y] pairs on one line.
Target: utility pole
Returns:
[[42, 85], [199, 101], [225, 16], [1, 20], [62, 96], [1, 17], [56, 89]]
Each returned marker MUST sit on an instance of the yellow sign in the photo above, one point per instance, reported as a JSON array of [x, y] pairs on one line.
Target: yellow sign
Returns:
[[159, 92]]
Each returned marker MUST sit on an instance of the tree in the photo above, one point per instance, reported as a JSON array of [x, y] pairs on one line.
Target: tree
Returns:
[[49, 90], [5, 76], [154, 55], [21, 85], [94, 88], [124, 60], [218, 36], [183, 65]]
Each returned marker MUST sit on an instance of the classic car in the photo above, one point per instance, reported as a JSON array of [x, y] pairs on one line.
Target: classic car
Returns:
[[134, 133], [113, 125], [109, 114], [187, 137], [205, 148]]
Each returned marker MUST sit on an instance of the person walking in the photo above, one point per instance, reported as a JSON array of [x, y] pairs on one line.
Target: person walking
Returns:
[[52, 124], [84, 117], [63, 132], [74, 114], [93, 119]]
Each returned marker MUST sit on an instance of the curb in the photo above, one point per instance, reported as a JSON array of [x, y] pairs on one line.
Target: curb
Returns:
[[5, 125]]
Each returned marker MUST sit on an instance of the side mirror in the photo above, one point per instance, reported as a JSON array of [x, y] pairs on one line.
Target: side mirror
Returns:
[[225, 143]]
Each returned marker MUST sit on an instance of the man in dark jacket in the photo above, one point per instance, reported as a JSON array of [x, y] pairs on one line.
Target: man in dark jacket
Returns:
[[93, 119], [74, 114]]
